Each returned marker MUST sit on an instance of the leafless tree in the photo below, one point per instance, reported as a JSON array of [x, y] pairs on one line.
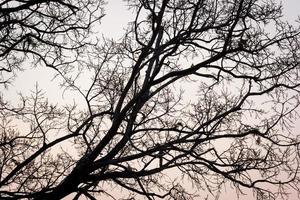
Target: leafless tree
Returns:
[[47, 30], [205, 91]]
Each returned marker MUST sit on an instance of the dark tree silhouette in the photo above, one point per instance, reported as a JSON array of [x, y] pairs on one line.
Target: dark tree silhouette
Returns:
[[204, 91], [48, 30]]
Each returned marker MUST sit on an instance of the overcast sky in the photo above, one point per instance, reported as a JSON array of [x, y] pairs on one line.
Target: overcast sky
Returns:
[[113, 25], [117, 17]]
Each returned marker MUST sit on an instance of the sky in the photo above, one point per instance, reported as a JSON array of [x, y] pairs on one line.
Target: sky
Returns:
[[116, 20], [112, 26], [291, 9]]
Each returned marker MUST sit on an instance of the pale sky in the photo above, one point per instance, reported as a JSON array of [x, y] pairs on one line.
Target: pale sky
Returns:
[[117, 19], [113, 26]]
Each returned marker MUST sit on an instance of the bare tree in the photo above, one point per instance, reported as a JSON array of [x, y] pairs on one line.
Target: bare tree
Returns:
[[204, 91], [47, 30]]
